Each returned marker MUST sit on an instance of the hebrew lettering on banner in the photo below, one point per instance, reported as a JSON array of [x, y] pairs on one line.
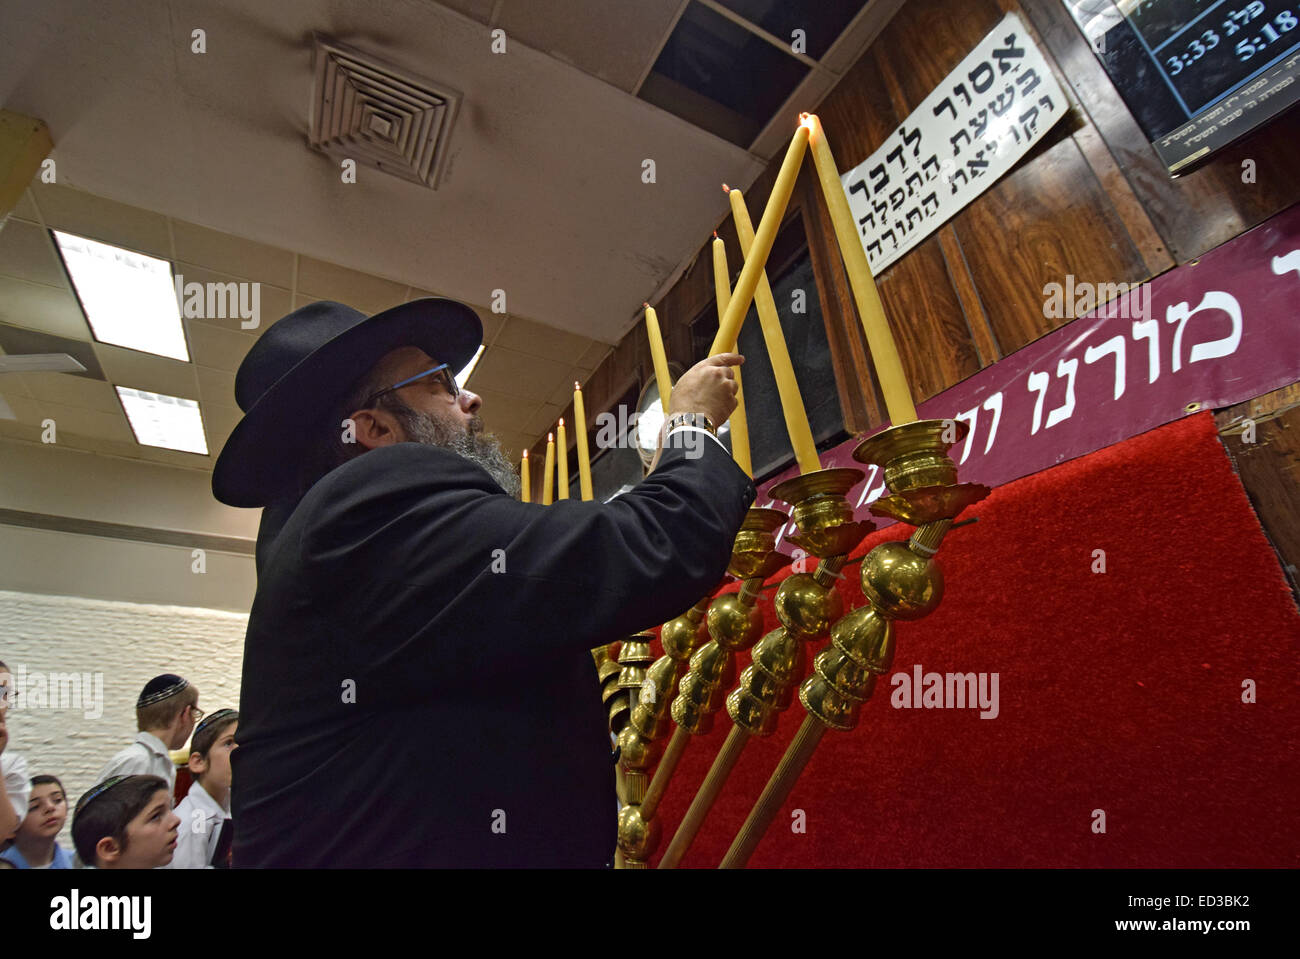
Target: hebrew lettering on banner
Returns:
[[974, 127], [1201, 337]]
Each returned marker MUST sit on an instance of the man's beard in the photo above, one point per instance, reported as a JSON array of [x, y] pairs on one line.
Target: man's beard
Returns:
[[480, 448]]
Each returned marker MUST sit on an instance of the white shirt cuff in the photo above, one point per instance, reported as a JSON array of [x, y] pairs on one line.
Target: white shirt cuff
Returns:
[[696, 429]]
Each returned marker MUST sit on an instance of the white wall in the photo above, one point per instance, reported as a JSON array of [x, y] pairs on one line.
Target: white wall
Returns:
[[59, 482], [121, 646]]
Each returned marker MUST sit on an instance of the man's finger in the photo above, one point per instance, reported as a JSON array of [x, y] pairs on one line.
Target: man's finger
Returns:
[[726, 359]]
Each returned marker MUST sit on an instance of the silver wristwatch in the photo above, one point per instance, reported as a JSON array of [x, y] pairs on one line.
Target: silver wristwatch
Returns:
[[698, 420]]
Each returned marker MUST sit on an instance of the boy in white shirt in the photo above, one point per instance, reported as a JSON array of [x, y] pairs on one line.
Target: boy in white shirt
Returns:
[[206, 830], [15, 787], [165, 714]]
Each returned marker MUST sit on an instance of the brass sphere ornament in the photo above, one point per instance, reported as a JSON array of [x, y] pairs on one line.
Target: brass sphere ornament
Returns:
[[901, 584]]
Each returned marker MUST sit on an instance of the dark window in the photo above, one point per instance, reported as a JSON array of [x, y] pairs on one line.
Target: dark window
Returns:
[[822, 21], [717, 75], [805, 337]]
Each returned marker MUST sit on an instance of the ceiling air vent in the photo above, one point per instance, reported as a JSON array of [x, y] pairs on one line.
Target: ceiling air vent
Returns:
[[380, 115]]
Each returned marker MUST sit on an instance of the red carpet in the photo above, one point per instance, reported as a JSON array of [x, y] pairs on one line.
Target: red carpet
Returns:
[[1119, 691]]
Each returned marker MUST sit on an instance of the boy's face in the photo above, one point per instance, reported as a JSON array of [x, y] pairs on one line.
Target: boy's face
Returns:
[[47, 809], [214, 768], [150, 838]]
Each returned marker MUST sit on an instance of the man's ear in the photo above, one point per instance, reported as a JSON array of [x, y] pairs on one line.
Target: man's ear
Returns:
[[376, 427], [107, 851]]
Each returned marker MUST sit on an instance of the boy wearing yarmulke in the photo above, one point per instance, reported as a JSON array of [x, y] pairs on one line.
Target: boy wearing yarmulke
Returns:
[[126, 822], [165, 714], [206, 829]]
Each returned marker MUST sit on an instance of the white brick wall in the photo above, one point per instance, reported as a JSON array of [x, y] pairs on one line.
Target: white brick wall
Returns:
[[129, 644]]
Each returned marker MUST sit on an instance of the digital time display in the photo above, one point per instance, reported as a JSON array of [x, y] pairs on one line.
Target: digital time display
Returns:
[[1197, 74]]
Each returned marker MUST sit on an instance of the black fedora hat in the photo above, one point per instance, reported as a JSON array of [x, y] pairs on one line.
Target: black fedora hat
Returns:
[[303, 365]]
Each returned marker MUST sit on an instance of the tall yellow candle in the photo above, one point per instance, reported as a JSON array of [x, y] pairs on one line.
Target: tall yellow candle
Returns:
[[584, 460], [548, 474], [525, 481], [796, 418], [884, 351], [739, 424], [746, 283], [562, 461], [659, 357]]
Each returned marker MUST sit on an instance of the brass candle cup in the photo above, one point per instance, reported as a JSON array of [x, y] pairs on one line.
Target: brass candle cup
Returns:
[[920, 476]]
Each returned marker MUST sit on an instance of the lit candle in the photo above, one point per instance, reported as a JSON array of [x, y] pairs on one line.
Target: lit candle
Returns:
[[562, 461], [525, 481], [884, 352], [584, 459], [548, 474], [739, 425], [746, 283], [796, 419], [658, 356]]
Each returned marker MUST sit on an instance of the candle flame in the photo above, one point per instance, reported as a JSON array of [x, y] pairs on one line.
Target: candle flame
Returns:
[[645, 306], [525, 454], [807, 119], [725, 188], [715, 234], [561, 420], [550, 437], [577, 386]]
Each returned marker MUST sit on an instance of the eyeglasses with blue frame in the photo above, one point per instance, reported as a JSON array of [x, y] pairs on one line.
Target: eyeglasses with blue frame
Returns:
[[444, 377]]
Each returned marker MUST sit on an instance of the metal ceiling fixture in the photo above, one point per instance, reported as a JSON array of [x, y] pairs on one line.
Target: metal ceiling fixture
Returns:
[[380, 115]]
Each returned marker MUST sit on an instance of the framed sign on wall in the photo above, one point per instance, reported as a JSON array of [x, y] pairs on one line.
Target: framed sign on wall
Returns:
[[1196, 74]]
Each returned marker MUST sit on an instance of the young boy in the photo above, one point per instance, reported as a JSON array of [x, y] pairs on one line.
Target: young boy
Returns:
[[165, 714], [126, 822], [206, 827], [35, 846]]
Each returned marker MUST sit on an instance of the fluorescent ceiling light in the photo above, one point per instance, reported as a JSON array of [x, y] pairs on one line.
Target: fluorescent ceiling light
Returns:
[[463, 375], [129, 298], [167, 421]]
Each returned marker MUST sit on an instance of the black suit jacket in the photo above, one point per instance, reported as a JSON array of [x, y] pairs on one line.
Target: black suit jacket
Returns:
[[411, 697]]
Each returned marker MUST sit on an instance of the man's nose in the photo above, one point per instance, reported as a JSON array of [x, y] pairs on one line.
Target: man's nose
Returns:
[[470, 402]]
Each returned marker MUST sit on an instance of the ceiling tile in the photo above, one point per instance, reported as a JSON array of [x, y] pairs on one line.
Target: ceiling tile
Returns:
[[527, 336], [145, 371], [81, 420], [504, 412], [224, 253], [612, 41], [518, 374], [216, 387], [365, 292], [98, 219], [43, 308], [544, 421], [264, 302], [217, 347], [562, 395], [73, 391], [593, 355], [27, 252], [25, 208]]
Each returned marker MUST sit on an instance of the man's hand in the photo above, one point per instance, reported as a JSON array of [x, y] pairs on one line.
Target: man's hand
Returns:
[[708, 387]]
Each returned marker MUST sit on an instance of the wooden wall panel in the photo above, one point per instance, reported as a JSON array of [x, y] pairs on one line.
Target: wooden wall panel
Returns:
[[1045, 219]]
